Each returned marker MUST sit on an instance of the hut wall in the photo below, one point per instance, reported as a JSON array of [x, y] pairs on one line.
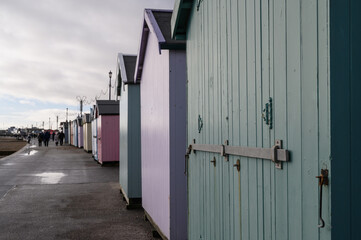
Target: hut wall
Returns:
[[66, 133], [130, 156], [87, 131], [95, 138], [239, 55], [71, 134], [160, 141], [80, 137]]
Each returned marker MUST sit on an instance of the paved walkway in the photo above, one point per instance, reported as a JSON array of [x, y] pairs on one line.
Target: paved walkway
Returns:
[[62, 193]]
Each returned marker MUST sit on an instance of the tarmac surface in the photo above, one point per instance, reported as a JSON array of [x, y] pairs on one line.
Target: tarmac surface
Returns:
[[62, 193]]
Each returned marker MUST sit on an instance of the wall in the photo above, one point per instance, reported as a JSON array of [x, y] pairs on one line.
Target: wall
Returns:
[[239, 54], [87, 132], [178, 129], [345, 38], [154, 90]]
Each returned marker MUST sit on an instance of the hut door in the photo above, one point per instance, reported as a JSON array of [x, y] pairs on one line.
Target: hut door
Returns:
[[99, 141]]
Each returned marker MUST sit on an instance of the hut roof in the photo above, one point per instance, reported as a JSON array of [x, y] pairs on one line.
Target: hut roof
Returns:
[[107, 107], [126, 67], [86, 118], [180, 18], [159, 23]]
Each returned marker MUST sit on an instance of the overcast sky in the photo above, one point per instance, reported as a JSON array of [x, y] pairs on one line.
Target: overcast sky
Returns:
[[52, 51]]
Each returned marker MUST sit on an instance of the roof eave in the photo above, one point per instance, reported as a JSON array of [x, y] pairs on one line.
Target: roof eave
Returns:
[[182, 9]]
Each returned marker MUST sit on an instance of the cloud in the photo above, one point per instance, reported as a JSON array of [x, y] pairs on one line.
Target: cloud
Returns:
[[53, 51], [27, 102]]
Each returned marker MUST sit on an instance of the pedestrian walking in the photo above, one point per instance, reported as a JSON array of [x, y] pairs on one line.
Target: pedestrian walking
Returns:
[[53, 135], [61, 138], [56, 139], [40, 138], [46, 138]]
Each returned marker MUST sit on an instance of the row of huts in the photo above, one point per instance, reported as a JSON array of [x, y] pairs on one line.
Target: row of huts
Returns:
[[238, 120]]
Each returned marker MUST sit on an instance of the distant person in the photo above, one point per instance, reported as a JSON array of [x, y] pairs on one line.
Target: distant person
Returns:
[[53, 136], [61, 138], [46, 138], [29, 138], [40, 138], [56, 139]]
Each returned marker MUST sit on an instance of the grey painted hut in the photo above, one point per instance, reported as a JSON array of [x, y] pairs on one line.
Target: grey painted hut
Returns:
[[263, 71], [129, 127]]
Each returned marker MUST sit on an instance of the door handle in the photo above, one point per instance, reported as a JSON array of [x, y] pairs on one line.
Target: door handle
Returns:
[[237, 165], [322, 180]]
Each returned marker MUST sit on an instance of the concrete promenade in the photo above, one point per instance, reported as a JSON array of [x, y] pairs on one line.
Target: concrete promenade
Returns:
[[62, 193]]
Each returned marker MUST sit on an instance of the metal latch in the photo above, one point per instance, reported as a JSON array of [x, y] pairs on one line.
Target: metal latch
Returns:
[[267, 114], [276, 154], [322, 180]]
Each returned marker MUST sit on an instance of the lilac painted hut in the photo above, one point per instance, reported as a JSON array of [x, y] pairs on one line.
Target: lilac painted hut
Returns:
[[161, 71], [107, 113], [80, 132]]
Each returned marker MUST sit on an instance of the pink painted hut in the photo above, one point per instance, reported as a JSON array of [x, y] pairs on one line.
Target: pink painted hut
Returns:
[[161, 71], [107, 114]]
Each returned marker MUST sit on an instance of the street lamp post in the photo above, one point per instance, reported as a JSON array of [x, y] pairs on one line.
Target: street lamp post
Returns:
[[110, 79]]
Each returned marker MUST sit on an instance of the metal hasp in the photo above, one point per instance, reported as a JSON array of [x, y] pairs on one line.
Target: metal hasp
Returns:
[[322, 180], [267, 114], [276, 154]]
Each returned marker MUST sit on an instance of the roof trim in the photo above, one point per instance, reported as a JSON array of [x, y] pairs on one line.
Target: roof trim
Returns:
[[150, 25], [121, 68], [182, 9]]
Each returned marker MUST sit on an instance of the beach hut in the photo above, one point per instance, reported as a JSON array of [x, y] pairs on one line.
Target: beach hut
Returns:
[[71, 133], [75, 132], [273, 111], [87, 132], [107, 113], [129, 121], [94, 133], [65, 129], [80, 132], [161, 71]]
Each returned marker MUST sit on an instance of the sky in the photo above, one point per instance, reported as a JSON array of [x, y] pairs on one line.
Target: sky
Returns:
[[53, 52]]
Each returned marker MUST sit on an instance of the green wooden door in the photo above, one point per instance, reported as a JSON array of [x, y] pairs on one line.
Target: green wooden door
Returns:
[[241, 53]]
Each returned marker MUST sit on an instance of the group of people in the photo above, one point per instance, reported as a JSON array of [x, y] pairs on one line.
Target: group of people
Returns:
[[45, 137]]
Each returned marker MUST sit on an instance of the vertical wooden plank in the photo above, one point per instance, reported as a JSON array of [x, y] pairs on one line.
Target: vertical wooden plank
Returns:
[[234, 117], [251, 117], [324, 110], [224, 123], [280, 114], [258, 118], [294, 119], [355, 52], [340, 118], [310, 120], [267, 165], [242, 6], [207, 26], [271, 94]]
